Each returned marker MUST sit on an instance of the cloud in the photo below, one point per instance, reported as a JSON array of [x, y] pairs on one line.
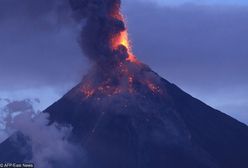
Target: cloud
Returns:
[[49, 143], [16, 106], [38, 44], [9, 109]]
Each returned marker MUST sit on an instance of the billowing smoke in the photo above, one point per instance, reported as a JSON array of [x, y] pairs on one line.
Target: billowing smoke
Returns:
[[48, 145], [103, 27], [9, 109]]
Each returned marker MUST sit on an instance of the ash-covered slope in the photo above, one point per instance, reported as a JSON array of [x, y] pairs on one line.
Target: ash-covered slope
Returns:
[[149, 129]]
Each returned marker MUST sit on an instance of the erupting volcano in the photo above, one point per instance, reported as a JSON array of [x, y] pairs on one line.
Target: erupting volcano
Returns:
[[124, 115], [105, 42]]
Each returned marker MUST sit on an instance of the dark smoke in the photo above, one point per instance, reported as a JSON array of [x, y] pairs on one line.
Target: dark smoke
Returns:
[[103, 23]]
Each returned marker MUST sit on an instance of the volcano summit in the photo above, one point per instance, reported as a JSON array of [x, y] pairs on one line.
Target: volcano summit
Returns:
[[124, 115]]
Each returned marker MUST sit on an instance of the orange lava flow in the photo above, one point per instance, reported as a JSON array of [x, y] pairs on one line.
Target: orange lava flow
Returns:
[[122, 39]]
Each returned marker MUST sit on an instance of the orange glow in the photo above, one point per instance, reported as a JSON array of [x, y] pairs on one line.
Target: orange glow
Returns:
[[132, 58], [88, 92], [130, 79], [153, 87], [103, 89], [122, 39]]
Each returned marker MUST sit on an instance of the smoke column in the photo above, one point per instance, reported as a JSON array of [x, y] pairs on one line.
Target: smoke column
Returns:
[[104, 38]]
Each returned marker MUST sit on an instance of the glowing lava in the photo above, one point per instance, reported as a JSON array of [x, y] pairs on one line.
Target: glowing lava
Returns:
[[122, 39]]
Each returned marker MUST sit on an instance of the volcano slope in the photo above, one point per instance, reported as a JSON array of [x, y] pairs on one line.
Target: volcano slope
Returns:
[[146, 129], [149, 128]]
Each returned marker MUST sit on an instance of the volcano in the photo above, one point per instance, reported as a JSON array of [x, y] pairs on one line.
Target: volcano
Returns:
[[147, 129], [124, 115]]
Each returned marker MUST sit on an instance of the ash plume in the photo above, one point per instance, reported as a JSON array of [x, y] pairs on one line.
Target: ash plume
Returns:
[[104, 23]]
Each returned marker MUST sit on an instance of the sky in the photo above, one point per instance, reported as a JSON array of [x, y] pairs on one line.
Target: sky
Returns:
[[208, 2], [200, 45]]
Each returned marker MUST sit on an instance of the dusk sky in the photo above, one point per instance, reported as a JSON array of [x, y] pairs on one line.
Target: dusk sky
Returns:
[[200, 45]]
